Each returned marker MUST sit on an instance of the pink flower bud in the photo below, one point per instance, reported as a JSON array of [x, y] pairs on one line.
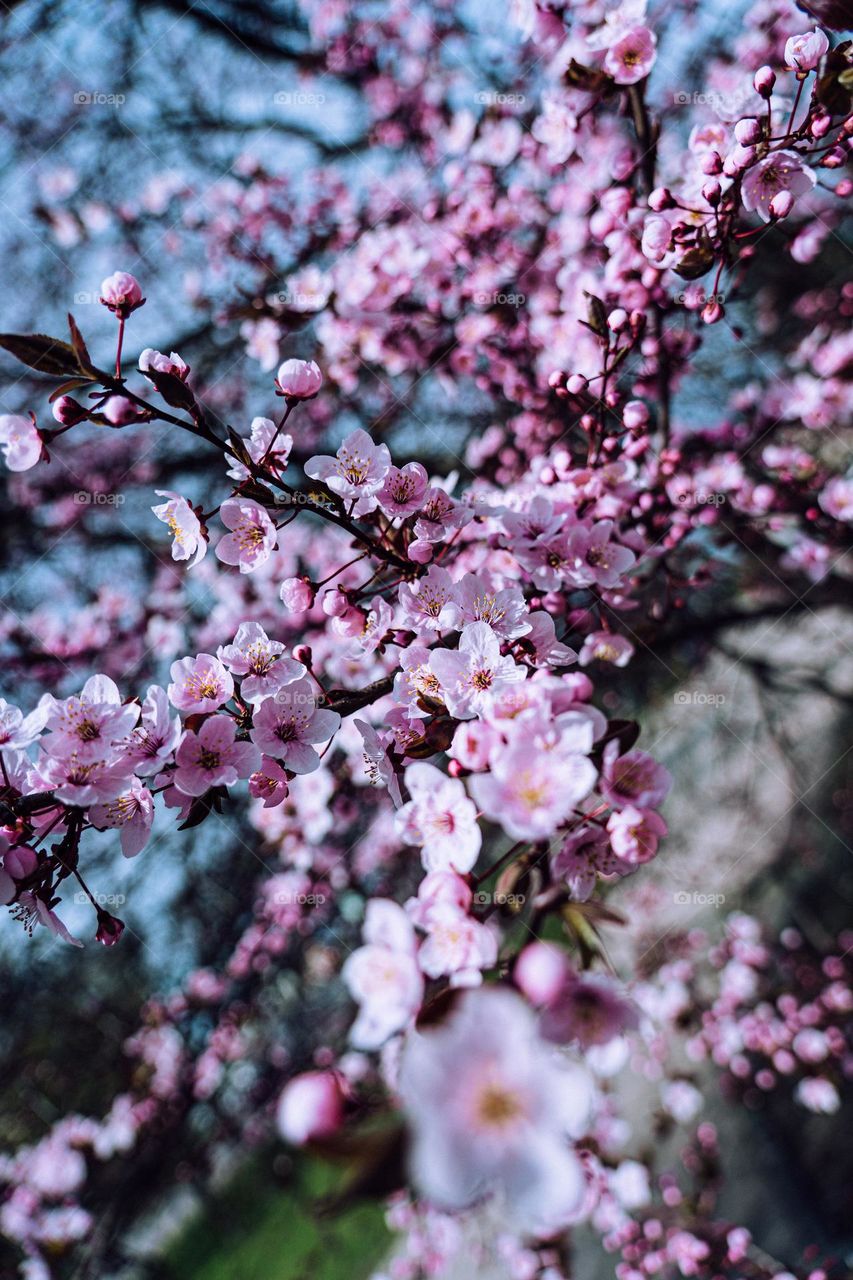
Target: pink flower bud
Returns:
[[577, 384], [299, 379], [121, 294], [660, 199], [297, 594], [110, 929], [20, 862], [712, 164], [747, 131], [617, 319], [763, 81], [803, 53], [335, 603], [781, 205], [119, 411], [310, 1106], [555, 379], [540, 972], [820, 126], [834, 159], [635, 415], [302, 653], [712, 192], [68, 412], [742, 157], [712, 312]]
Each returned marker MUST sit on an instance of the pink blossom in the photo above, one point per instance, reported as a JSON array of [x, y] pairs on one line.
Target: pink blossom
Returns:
[[212, 758], [403, 490], [299, 379], [475, 675], [257, 660], [596, 558], [634, 779], [456, 944], [89, 725], [491, 1110], [836, 498], [286, 725], [440, 819], [310, 1107], [383, 975], [503, 609], [200, 684], [632, 57], [430, 603], [33, 911], [132, 812], [529, 794], [154, 740], [20, 441], [556, 128], [634, 833], [357, 471], [269, 783], [779, 171], [253, 535], [588, 1009], [189, 541], [154, 361], [606, 646], [804, 52], [121, 293], [266, 444]]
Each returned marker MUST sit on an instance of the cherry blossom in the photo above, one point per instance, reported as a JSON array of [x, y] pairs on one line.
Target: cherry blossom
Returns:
[[288, 725], [189, 539], [20, 441], [200, 684], [252, 537], [212, 757]]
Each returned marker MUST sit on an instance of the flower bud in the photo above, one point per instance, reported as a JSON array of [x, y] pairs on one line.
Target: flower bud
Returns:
[[660, 199], [712, 192], [68, 412], [121, 293], [763, 81], [712, 312], [820, 126], [635, 415], [298, 379], [577, 384], [781, 205], [712, 164], [420, 551], [110, 929], [747, 131], [310, 1106], [617, 319], [540, 972], [302, 653], [297, 594]]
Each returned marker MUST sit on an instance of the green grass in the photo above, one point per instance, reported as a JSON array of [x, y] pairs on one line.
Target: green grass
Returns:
[[258, 1230]]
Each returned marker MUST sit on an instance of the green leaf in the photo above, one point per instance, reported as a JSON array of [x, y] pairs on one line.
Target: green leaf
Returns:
[[48, 355]]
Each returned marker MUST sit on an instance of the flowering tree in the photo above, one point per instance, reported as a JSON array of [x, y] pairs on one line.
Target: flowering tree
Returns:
[[415, 675]]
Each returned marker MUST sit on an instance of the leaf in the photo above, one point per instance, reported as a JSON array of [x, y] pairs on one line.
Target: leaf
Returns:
[[48, 355], [175, 392], [596, 313], [74, 384], [79, 345], [696, 262]]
